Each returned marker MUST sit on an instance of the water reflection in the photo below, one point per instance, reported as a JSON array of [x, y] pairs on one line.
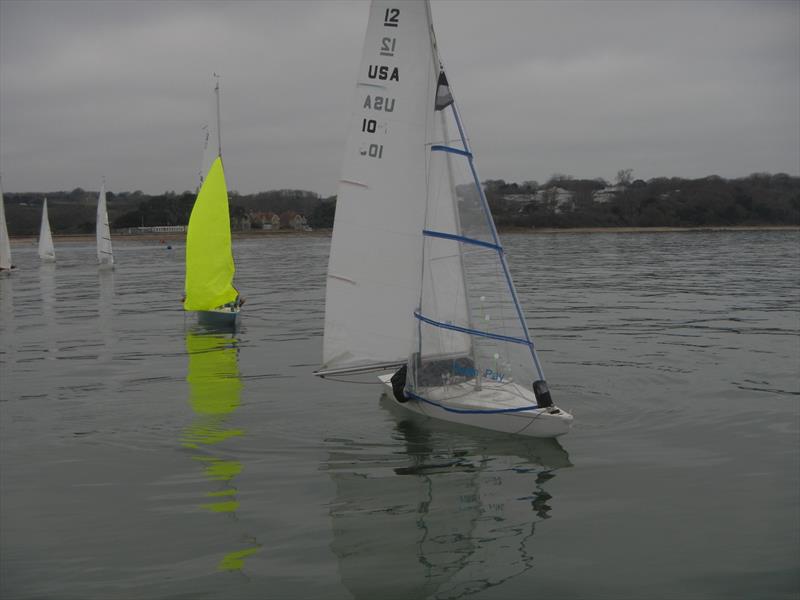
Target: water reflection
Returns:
[[105, 311], [6, 318], [214, 394], [47, 286], [442, 513]]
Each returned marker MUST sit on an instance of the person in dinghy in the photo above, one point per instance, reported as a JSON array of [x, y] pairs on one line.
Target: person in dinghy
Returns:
[[235, 305]]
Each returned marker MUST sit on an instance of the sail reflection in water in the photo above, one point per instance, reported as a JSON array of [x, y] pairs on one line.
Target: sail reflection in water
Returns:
[[47, 285], [105, 313], [214, 394], [450, 516]]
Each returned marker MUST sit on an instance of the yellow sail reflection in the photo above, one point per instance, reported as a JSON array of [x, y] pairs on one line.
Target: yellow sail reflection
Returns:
[[235, 560], [214, 394], [209, 257]]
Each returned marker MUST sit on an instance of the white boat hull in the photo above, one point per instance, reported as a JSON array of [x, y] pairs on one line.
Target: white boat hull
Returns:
[[549, 422]]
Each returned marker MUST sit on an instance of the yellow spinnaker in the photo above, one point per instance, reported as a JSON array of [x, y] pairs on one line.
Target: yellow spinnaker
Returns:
[[209, 258]]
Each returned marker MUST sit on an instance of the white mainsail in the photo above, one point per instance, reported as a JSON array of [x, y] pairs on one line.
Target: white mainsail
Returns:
[[105, 254], [5, 244], [373, 283], [47, 251]]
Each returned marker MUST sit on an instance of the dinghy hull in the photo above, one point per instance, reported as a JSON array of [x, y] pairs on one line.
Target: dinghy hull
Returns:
[[218, 318], [549, 422]]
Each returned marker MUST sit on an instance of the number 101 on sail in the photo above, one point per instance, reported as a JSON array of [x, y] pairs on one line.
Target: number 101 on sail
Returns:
[[373, 151]]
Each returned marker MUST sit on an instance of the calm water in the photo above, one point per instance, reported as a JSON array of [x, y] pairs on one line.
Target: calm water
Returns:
[[142, 458]]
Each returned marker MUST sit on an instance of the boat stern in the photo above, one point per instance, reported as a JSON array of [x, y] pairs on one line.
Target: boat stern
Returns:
[[222, 317]]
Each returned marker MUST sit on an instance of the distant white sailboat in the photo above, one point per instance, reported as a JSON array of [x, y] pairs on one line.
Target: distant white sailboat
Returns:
[[47, 251], [105, 253], [417, 278], [6, 265]]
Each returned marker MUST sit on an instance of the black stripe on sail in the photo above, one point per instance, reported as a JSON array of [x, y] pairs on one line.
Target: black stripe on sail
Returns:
[[443, 96]]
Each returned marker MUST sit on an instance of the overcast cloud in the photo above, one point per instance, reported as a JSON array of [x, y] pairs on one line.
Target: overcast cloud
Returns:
[[121, 89]]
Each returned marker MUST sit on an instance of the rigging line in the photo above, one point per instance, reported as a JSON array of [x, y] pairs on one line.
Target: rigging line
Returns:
[[461, 238], [333, 378], [476, 332], [451, 150]]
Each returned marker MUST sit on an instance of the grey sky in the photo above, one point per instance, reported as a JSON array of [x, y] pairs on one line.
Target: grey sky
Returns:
[[121, 89]]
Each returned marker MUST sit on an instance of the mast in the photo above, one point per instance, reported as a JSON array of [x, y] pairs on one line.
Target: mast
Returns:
[[219, 126]]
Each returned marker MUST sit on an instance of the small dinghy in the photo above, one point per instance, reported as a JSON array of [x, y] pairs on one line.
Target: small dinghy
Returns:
[[209, 289]]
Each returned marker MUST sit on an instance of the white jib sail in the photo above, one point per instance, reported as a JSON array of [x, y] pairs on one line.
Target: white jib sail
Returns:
[[5, 244], [374, 270], [105, 254], [470, 327], [47, 251]]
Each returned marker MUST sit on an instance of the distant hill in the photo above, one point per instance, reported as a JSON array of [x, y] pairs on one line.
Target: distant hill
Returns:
[[69, 212], [563, 201], [74, 212], [759, 199]]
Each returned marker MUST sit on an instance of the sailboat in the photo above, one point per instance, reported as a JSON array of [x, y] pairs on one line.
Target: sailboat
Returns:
[[105, 253], [210, 269], [5, 244], [417, 278], [47, 251]]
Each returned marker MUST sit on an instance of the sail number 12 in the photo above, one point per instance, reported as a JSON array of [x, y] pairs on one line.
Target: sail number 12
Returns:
[[391, 17]]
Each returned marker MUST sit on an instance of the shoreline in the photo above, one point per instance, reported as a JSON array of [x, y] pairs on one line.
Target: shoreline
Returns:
[[702, 229], [181, 236]]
